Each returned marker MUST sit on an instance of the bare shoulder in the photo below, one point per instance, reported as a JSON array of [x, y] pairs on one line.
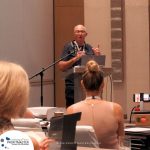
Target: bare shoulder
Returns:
[[117, 106], [75, 108], [69, 110], [118, 110]]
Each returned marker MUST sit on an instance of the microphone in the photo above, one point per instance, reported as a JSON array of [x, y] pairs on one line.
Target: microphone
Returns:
[[73, 51]]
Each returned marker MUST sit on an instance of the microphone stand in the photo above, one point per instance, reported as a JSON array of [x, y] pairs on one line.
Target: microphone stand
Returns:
[[132, 112], [41, 73]]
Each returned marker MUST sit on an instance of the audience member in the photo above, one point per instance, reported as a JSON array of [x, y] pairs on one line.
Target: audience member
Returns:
[[106, 117], [76, 49], [14, 96]]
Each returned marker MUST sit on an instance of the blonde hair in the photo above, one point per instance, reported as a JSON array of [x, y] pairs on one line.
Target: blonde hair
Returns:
[[14, 90], [92, 66], [93, 77]]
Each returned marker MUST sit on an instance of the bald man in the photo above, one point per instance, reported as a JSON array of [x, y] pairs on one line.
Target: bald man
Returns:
[[76, 48]]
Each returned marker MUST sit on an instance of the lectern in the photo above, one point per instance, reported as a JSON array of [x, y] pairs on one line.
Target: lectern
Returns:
[[79, 93]]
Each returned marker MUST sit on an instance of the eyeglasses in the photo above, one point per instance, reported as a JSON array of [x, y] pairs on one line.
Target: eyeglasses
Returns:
[[80, 31]]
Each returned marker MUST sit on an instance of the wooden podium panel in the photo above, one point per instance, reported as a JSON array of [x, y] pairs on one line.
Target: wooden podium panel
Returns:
[[79, 93]]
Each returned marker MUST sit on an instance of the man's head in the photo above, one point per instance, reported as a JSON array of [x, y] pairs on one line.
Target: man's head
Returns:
[[80, 33]]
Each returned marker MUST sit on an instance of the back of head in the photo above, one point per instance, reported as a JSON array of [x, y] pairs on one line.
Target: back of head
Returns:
[[14, 90], [92, 78]]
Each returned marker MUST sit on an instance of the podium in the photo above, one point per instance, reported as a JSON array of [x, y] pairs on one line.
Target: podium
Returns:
[[79, 93]]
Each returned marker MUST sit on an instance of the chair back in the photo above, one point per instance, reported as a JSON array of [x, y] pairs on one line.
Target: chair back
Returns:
[[63, 128], [86, 137]]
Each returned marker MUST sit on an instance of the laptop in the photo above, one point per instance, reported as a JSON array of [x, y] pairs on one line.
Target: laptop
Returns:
[[99, 59]]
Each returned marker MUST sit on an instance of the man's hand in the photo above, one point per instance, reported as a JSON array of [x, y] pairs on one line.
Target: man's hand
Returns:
[[96, 51], [80, 54]]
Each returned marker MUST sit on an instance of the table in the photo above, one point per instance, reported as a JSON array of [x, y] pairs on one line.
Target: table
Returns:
[[139, 136], [89, 148]]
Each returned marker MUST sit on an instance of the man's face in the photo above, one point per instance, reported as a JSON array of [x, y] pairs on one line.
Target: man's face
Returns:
[[80, 34]]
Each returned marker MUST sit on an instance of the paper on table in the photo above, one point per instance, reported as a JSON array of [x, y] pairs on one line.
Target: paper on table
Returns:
[[137, 129]]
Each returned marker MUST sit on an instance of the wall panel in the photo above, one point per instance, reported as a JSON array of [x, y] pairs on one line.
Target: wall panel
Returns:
[[67, 14]]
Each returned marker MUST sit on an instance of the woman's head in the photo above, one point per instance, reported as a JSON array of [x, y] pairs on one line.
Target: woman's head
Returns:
[[93, 77], [14, 90]]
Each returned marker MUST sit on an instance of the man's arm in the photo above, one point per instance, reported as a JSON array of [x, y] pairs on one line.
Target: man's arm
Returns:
[[64, 65]]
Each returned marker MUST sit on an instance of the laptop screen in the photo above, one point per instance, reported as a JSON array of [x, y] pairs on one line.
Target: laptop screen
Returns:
[[99, 59]]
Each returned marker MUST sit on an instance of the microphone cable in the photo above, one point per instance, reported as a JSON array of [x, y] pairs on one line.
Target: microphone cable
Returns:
[[111, 87]]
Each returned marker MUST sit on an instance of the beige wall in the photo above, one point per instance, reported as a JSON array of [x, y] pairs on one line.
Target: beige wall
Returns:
[[26, 37], [137, 49], [136, 52], [97, 21], [67, 14]]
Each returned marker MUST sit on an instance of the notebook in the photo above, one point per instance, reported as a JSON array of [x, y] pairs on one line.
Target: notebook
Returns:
[[99, 59]]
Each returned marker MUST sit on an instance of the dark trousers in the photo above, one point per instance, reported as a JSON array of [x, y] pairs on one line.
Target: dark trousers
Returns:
[[69, 95]]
